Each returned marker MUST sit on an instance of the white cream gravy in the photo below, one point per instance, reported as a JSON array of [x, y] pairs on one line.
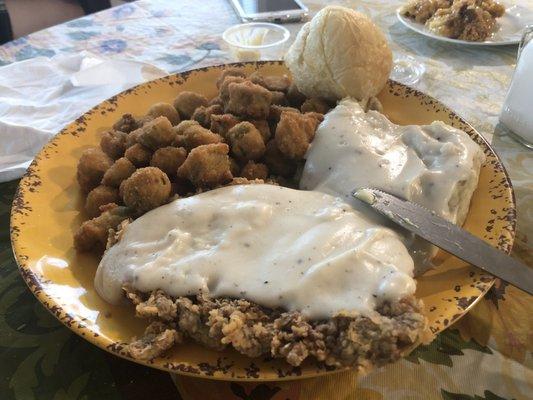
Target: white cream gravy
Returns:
[[278, 247], [434, 165]]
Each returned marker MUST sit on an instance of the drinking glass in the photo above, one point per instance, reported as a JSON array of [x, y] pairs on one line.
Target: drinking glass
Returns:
[[516, 113]]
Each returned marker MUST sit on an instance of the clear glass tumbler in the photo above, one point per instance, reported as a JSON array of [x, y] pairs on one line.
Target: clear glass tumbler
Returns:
[[517, 111]]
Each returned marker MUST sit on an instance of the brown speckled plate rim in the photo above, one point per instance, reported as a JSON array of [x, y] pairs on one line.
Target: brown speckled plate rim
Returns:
[[31, 180]]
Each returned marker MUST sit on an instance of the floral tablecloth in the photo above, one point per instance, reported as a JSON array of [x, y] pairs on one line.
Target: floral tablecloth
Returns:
[[486, 355]]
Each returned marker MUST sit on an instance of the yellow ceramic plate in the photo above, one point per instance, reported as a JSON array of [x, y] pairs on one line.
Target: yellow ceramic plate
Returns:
[[47, 210]]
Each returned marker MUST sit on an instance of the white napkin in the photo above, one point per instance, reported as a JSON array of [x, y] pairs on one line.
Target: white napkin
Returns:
[[38, 97]]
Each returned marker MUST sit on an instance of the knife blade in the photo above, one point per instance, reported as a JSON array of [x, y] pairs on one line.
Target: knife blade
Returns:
[[448, 237]]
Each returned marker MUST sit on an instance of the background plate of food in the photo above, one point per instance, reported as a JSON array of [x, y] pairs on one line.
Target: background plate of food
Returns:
[[165, 225], [470, 22]]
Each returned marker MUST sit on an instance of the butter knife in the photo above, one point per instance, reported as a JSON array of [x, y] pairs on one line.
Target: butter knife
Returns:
[[448, 237]]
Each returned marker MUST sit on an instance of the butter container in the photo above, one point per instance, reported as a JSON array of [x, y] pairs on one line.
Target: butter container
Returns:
[[256, 41]]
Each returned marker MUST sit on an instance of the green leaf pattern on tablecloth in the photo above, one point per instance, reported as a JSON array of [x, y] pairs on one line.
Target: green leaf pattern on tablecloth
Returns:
[[40, 358], [444, 346]]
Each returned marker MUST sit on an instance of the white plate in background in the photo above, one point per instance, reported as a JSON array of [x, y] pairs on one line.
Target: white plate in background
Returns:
[[509, 26]]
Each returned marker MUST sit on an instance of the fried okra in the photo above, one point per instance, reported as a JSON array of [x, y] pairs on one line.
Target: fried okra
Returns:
[[257, 78], [113, 143], [253, 170], [120, 170], [246, 141], [203, 114], [317, 116], [144, 120], [277, 83], [271, 82], [182, 187], [132, 137], [294, 132], [180, 129], [279, 98], [190, 142], [248, 100], [295, 97], [245, 181], [100, 196], [229, 72], [138, 155], [276, 162], [164, 110], [315, 104], [127, 123], [207, 165], [93, 234], [146, 189], [169, 159], [187, 102], [275, 112], [216, 101], [195, 135], [234, 166], [92, 165], [224, 87], [221, 124], [157, 133], [263, 127]]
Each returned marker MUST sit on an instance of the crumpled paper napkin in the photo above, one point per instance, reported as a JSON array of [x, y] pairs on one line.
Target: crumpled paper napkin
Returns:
[[40, 96]]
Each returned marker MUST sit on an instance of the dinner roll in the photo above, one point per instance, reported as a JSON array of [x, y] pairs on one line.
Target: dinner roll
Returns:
[[340, 53]]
